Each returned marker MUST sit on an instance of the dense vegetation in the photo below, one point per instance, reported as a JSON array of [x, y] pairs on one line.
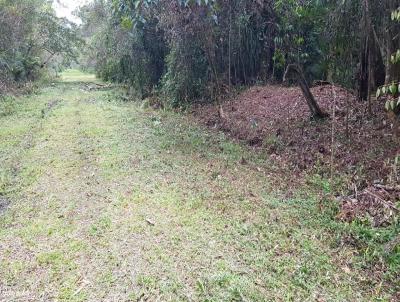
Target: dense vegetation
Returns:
[[33, 41], [189, 50]]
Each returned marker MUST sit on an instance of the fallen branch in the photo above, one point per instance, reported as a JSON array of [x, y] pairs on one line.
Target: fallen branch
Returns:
[[382, 200]]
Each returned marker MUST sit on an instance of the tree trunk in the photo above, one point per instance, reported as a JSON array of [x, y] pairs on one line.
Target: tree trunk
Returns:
[[230, 47], [363, 71], [295, 71], [373, 57], [371, 79]]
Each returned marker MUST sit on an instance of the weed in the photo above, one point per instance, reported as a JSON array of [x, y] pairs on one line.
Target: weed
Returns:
[[7, 106]]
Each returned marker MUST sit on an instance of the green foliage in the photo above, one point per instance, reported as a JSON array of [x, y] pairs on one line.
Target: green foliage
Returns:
[[186, 74], [300, 36], [120, 50], [191, 49], [396, 15], [372, 242], [33, 40], [7, 106], [392, 91]]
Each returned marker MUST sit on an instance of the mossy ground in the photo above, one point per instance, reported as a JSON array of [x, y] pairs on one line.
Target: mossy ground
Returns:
[[108, 201]]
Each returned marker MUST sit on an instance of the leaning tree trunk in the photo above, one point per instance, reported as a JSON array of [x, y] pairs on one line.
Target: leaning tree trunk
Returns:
[[294, 71]]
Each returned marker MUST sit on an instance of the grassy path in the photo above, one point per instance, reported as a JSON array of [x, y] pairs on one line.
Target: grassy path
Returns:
[[102, 200]]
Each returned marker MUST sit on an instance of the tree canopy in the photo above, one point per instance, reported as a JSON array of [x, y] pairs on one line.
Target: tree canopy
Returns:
[[32, 38]]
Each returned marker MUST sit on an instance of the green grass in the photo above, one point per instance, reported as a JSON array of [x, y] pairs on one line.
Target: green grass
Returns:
[[73, 75], [114, 202]]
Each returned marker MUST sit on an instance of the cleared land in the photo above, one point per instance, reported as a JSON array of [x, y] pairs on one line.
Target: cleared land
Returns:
[[102, 200]]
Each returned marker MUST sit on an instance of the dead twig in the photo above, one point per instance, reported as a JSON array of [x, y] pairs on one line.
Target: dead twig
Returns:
[[381, 200]]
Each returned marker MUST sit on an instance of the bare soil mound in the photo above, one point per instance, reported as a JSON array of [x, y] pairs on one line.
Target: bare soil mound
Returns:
[[351, 142]]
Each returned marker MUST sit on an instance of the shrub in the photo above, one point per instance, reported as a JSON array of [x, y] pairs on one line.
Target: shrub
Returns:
[[186, 76]]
